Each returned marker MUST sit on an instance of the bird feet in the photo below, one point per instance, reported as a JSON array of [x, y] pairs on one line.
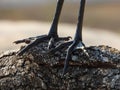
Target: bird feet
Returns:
[[71, 46], [74, 46], [33, 41]]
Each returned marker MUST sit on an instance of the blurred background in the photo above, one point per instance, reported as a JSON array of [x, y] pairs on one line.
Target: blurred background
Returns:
[[20, 19]]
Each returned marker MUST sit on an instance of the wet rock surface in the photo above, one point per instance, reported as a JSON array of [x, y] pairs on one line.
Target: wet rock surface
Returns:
[[39, 70]]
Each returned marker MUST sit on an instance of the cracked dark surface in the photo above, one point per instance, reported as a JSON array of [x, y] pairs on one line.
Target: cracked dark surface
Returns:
[[36, 70]]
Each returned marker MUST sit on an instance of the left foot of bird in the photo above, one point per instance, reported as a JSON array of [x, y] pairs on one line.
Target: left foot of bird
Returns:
[[33, 41]]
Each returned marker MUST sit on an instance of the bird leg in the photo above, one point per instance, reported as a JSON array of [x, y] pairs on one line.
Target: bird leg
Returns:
[[52, 35], [77, 42]]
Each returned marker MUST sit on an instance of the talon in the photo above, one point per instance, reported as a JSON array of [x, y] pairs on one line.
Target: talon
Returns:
[[86, 53], [51, 43], [27, 41], [82, 47], [65, 38], [68, 38]]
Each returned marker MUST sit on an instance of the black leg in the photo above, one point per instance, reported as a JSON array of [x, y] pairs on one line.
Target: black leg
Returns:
[[52, 35], [77, 43], [78, 35], [53, 30]]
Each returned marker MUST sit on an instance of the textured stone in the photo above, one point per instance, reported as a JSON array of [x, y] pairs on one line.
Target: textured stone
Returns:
[[38, 70]]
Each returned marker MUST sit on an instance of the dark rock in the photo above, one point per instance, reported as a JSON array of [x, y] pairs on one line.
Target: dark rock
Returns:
[[36, 70]]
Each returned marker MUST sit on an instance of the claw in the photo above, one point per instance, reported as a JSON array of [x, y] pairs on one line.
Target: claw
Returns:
[[86, 53], [28, 40], [65, 38], [82, 47], [51, 43]]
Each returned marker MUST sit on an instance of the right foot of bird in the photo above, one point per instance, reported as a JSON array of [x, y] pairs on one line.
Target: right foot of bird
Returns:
[[70, 47], [33, 41]]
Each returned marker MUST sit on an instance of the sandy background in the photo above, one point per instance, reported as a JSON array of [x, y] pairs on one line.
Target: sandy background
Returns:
[[11, 31], [20, 19]]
